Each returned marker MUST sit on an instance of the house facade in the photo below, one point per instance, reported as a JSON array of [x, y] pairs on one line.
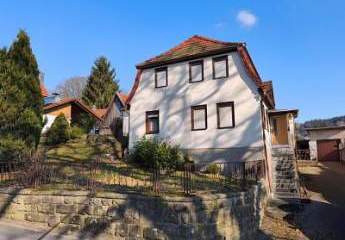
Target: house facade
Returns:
[[206, 96]]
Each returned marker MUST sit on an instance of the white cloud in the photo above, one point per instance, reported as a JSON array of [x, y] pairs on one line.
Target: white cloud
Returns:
[[246, 18]]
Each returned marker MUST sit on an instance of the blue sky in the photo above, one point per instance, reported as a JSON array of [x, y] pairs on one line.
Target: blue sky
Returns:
[[297, 44]]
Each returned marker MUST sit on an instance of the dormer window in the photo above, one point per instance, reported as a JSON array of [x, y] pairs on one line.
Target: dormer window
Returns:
[[161, 77], [196, 71], [220, 67]]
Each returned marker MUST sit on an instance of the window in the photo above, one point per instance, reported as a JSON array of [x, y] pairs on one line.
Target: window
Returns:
[[152, 122], [199, 117], [225, 115], [161, 77], [196, 71], [220, 67]]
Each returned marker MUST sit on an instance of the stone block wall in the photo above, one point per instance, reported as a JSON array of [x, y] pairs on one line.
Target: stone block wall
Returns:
[[133, 216]]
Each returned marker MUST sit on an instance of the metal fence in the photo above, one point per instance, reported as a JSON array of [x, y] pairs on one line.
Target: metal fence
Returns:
[[111, 176], [303, 154]]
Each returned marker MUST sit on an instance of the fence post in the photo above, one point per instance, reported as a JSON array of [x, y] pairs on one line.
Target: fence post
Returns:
[[244, 180]]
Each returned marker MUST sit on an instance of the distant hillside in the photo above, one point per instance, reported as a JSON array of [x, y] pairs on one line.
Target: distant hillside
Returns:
[[335, 121]]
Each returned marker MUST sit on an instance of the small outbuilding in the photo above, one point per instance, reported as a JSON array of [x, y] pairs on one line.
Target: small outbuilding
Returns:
[[327, 143]]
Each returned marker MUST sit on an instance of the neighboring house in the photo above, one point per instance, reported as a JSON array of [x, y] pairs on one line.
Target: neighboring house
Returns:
[[112, 116], [70, 107], [327, 143], [207, 96]]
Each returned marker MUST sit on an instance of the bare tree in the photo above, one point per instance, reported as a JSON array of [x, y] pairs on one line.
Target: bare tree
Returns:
[[72, 87]]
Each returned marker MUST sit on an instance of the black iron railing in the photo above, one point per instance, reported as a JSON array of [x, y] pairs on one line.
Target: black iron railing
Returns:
[[109, 176]]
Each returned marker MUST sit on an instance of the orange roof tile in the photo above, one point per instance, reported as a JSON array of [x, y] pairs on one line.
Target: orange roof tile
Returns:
[[100, 112], [192, 47], [44, 91]]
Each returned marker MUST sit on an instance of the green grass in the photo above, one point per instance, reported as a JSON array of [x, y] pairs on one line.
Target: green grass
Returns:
[[84, 164], [79, 150]]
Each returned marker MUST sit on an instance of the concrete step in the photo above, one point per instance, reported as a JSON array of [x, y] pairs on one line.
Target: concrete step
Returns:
[[284, 168], [285, 174], [286, 195], [287, 191], [291, 186]]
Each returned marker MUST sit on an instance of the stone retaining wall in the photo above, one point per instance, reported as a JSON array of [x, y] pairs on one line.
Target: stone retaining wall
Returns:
[[133, 216]]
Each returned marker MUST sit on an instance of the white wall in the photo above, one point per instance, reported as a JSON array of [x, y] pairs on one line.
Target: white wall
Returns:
[[175, 100], [50, 119]]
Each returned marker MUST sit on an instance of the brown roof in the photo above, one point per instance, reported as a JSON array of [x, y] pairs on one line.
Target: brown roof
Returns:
[[283, 111], [195, 46], [44, 91], [100, 112], [267, 90], [71, 101], [123, 97]]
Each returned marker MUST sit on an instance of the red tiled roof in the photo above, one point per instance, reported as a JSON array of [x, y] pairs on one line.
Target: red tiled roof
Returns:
[[70, 101], [194, 46], [267, 90], [123, 97], [44, 91], [100, 112]]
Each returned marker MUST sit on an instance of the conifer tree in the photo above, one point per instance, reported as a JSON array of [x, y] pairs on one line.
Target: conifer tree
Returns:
[[101, 85], [20, 99], [20, 53]]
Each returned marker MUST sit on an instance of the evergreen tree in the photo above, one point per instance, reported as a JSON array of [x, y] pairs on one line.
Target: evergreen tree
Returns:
[[101, 85], [20, 99], [20, 53]]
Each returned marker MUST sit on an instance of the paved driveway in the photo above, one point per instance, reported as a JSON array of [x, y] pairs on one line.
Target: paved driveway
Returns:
[[17, 230], [324, 217]]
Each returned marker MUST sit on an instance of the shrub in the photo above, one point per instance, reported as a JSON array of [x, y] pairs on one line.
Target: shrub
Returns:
[[12, 149], [59, 132], [76, 132], [156, 153], [213, 169]]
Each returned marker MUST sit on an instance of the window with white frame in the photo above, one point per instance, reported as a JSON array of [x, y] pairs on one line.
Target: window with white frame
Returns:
[[225, 115], [161, 77], [199, 117], [220, 67]]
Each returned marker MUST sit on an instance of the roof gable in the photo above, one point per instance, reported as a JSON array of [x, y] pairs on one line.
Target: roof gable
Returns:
[[195, 46], [65, 101]]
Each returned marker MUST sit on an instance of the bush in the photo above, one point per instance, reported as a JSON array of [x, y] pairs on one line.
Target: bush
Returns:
[[155, 153], [12, 149], [213, 169], [59, 132], [76, 132]]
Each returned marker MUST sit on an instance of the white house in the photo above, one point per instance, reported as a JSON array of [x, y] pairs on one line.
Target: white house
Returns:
[[207, 96]]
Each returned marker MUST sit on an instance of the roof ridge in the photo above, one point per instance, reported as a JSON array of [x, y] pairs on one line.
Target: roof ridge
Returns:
[[190, 40]]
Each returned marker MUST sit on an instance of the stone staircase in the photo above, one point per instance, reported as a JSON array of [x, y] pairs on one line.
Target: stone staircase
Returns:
[[285, 176]]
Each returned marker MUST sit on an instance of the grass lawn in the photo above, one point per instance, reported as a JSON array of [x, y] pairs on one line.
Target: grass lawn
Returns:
[[86, 164]]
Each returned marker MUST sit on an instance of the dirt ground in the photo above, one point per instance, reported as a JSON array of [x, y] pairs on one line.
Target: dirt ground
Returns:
[[324, 217]]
